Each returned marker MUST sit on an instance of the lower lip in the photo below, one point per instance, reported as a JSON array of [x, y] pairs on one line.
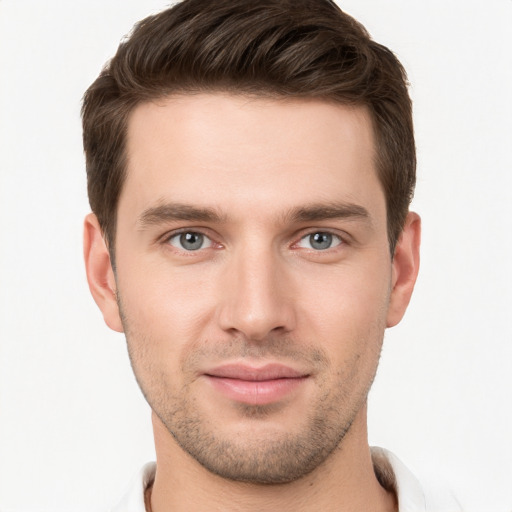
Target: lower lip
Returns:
[[256, 392]]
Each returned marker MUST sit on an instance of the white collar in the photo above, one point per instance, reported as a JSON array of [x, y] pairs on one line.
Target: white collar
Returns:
[[390, 471]]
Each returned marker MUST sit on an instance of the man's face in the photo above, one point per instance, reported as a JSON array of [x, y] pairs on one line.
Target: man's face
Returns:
[[253, 276]]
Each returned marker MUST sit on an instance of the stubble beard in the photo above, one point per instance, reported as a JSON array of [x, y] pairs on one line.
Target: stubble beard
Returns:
[[263, 457]]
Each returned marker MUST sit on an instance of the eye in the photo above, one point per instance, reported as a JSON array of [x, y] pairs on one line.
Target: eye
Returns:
[[190, 241], [319, 241]]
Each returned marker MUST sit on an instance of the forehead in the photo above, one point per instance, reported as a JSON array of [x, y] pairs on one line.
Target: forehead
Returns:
[[227, 151]]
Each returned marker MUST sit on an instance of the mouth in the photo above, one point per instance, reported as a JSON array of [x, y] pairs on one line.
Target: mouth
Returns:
[[256, 385]]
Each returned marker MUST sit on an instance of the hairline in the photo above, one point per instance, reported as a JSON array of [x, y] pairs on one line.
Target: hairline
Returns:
[[240, 91]]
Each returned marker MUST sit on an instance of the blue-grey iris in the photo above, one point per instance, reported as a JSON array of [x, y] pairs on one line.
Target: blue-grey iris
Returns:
[[320, 241], [191, 241]]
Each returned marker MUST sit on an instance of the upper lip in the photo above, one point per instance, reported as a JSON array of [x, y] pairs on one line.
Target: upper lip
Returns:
[[252, 373]]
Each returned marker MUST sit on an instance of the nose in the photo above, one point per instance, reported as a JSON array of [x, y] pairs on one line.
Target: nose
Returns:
[[257, 296]]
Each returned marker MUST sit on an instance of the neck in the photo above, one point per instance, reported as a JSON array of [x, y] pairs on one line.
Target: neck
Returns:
[[344, 482]]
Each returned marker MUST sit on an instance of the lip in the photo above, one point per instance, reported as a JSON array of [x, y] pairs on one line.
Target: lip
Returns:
[[255, 385]]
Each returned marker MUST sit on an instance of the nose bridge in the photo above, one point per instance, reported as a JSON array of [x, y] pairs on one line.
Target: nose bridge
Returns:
[[257, 298]]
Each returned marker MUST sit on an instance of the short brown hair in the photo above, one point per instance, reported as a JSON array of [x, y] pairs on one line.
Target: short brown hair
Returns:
[[279, 48]]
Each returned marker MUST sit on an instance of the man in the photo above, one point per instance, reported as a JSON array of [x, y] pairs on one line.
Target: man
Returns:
[[250, 169]]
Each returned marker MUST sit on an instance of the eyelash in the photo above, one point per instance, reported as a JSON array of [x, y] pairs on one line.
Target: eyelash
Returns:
[[166, 240], [333, 236]]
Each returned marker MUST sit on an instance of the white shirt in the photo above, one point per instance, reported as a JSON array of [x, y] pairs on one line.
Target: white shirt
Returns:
[[412, 497]]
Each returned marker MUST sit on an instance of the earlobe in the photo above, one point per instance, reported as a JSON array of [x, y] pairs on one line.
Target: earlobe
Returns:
[[100, 274], [405, 268]]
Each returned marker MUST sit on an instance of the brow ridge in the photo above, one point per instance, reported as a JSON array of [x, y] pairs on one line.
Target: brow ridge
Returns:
[[307, 213], [322, 211], [177, 211]]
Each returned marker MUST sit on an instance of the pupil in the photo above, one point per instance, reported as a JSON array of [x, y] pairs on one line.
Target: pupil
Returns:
[[321, 240], [191, 241]]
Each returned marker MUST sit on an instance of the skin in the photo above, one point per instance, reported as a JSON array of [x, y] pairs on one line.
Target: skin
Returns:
[[256, 178]]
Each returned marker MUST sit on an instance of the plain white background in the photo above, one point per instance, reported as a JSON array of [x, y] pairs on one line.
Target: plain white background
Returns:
[[73, 425]]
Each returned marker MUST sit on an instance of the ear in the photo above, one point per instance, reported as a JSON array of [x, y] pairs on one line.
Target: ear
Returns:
[[405, 266], [100, 274]]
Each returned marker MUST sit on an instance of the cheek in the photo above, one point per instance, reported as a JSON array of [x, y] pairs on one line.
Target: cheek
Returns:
[[162, 316], [157, 293], [347, 313], [348, 294], [164, 312]]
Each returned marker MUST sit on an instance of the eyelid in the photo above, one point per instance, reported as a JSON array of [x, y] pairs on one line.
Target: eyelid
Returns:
[[344, 238], [206, 242], [187, 229], [165, 239]]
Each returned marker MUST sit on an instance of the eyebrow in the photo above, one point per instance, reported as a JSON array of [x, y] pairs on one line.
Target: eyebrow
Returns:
[[177, 211], [321, 211], [308, 213]]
